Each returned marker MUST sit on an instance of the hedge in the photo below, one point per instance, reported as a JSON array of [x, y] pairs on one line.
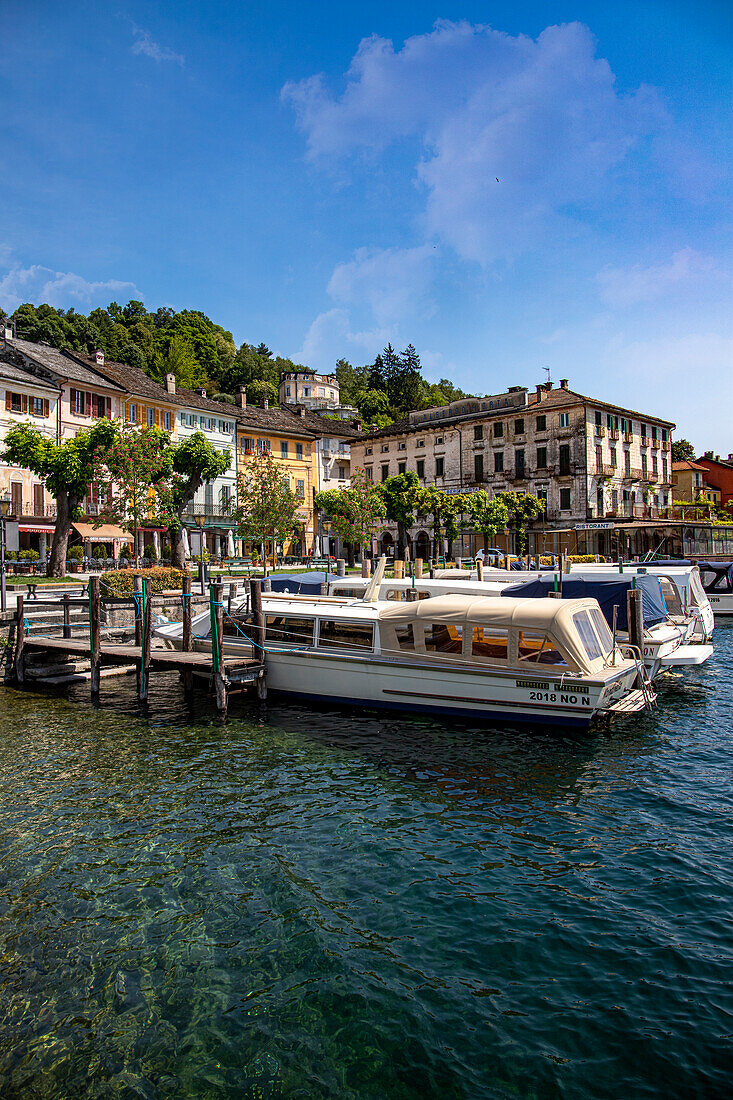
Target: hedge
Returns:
[[581, 559], [121, 582]]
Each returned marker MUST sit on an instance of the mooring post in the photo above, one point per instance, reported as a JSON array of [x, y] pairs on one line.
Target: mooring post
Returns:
[[365, 570], [258, 636], [479, 569], [67, 614], [137, 582], [431, 571], [95, 633], [266, 584], [635, 615], [147, 625], [216, 608], [232, 596], [418, 568], [187, 673], [399, 569], [19, 641], [340, 567]]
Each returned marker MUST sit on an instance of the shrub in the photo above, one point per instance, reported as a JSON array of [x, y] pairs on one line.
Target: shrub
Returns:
[[121, 583], [28, 555], [150, 552], [581, 559], [75, 553]]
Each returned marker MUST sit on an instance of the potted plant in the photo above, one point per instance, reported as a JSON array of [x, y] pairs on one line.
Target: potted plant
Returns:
[[75, 556]]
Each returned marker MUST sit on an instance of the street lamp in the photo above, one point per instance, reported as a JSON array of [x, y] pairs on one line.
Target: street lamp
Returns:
[[5, 512], [201, 523]]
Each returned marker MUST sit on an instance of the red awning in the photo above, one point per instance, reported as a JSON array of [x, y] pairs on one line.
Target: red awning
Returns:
[[35, 529]]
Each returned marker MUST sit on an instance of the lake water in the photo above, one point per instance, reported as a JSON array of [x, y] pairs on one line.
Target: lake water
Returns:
[[329, 904]]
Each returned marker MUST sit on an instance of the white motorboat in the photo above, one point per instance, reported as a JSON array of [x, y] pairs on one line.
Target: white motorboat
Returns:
[[550, 661]]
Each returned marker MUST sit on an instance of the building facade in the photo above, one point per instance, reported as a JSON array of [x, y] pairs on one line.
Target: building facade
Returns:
[[719, 475], [589, 461], [313, 391]]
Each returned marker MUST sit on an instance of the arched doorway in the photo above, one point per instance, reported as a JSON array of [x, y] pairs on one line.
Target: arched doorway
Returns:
[[422, 546], [387, 544]]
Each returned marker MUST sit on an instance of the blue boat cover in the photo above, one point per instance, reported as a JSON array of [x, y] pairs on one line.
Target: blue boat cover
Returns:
[[608, 592], [307, 583]]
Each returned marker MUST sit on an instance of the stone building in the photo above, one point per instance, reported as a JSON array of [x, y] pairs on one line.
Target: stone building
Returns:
[[313, 391], [591, 461]]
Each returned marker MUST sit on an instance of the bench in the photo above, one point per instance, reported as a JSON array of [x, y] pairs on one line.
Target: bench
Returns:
[[32, 587]]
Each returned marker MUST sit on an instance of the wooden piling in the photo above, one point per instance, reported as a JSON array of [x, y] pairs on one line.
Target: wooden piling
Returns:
[[138, 590], [635, 614], [217, 647], [258, 636], [399, 569], [366, 567], [418, 568], [232, 596], [19, 641], [143, 676], [340, 567], [266, 584], [479, 569], [95, 634], [186, 637], [67, 614], [431, 571]]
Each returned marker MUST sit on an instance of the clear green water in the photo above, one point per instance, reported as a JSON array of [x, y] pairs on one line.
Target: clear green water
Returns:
[[324, 904]]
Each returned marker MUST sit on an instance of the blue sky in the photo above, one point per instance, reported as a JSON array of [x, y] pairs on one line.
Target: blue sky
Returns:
[[507, 186]]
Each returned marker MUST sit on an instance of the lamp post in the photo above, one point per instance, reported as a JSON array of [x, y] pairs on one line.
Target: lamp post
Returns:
[[200, 523], [326, 528], [5, 506]]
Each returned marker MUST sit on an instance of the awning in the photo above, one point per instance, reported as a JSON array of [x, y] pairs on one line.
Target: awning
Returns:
[[36, 528], [101, 534]]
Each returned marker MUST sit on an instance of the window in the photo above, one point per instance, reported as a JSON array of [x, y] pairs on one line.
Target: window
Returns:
[[642, 429], [385, 471], [38, 500], [369, 473], [439, 441], [588, 635], [150, 417], [247, 445], [353, 635], [655, 465], [167, 421], [478, 467], [599, 418], [401, 467], [367, 450], [439, 467], [542, 423], [564, 420], [627, 463], [421, 468], [644, 465], [289, 630], [490, 642], [519, 427], [420, 443], [542, 495], [287, 391], [478, 431], [321, 391], [14, 402], [565, 500], [564, 454], [286, 483], [664, 469], [38, 406], [664, 435], [599, 459], [498, 462], [536, 647], [78, 402], [613, 456], [306, 391], [342, 472], [132, 413], [300, 489], [654, 432], [401, 446], [385, 448], [299, 450], [283, 448], [444, 639], [498, 430], [405, 637], [263, 446], [614, 499]]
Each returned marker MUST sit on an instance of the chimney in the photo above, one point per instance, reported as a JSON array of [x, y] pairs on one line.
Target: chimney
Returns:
[[356, 424], [563, 383], [242, 397], [541, 391], [170, 382], [265, 403], [709, 455], [301, 411], [99, 355], [201, 393]]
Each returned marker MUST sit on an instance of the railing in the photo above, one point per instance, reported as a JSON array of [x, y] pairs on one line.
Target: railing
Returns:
[[48, 511], [210, 511], [655, 444], [605, 470], [600, 431], [520, 474], [614, 433], [645, 441], [566, 470], [634, 474], [628, 437]]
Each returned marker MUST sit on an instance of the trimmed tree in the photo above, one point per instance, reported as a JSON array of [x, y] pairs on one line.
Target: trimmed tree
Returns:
[[67, 470], [399, 494], [133, 473], [267, 505], [487, 515], [353, 512], [523, 509], [189, 464]]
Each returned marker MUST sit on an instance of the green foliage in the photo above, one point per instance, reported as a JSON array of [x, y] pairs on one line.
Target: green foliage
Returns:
[[75, 553], [132, 475], [28, 555], [260, 390], [400, 495], [353, 512], [121, 582], [66, 467], [682, 450], [523, 508], [267, 505], [487, 515]]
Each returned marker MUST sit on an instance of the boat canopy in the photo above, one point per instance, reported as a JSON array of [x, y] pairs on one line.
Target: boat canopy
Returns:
[[554, 617], [609, 592], [301, 584], [716, 576]]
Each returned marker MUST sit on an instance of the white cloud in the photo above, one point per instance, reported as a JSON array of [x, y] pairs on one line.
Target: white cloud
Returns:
[[621, 287], [392, 282], [517, 136], [144, 45], [62, 289], [331, 337]]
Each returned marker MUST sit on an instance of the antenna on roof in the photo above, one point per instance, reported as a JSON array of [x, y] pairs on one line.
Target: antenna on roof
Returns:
[[548, 374]]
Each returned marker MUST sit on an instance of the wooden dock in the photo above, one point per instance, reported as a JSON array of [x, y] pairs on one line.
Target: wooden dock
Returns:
[[221, 677]]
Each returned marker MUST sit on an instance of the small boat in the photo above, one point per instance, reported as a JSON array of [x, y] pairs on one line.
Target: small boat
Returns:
[[716, 578], [548, 661]]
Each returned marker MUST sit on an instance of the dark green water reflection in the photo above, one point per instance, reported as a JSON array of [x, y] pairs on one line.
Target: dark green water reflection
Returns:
[[323, 904]]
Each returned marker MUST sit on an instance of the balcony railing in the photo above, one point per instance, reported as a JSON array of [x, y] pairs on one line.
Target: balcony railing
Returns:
[[645, 441], [222, 510], [522, 473], [614, 433], [48, 511], [600, 431], [634, 474], [655, 444], [605, 470]]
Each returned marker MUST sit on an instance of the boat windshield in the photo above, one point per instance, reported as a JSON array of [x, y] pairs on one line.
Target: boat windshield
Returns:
[[671, 594]]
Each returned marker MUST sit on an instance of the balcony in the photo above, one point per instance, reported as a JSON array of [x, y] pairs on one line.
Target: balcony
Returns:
[[566, 470], [667, 446], [520, 474], [645, 441], [614, 433], [628, 437], [605, 470], [600, 431], [634, 474], [211, 512], [655, 444], [46, 512]]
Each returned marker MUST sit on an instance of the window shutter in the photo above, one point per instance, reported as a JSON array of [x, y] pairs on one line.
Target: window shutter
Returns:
[[8, 400], [88, 404], [46, 407], [108, 408], [25, 403]]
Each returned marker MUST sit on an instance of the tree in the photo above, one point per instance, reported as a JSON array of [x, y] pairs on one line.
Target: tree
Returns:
[[67, 469], [523, 508], [399, 494], [267, 505], [374, 408], [353, 512], [434, 503], [182, 362], [261, 390], [487, 514], [190, 464], [132, 472], [682, 450]]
